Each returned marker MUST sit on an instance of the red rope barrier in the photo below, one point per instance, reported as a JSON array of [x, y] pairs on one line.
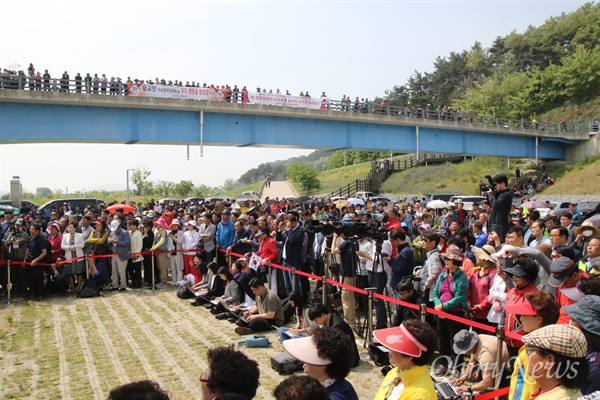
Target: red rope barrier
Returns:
[[493, 394], [443, 314]]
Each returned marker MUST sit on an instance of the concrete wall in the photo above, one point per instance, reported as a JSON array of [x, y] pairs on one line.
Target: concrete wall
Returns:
[[584, 149]]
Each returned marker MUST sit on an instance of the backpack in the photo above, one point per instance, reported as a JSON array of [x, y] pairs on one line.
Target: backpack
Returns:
[[89, 288], [255, 341]]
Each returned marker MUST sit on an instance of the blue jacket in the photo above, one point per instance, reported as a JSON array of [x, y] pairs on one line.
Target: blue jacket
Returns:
[[225, 234], [402, 265], [123, 247]]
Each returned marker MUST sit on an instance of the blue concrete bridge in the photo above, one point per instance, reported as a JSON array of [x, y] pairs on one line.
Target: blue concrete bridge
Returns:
[[54, 117]]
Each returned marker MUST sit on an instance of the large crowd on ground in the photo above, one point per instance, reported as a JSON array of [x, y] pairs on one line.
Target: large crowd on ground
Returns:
[[492, 264], [33, 79]]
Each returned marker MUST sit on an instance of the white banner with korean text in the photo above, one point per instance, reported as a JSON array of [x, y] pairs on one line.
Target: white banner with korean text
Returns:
[[213, 94]]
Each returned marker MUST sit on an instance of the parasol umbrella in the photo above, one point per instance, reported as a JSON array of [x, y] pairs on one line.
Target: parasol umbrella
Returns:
[[340, 203], [437, 204], [126, 208], [355, 200], [14, 66], [301, 199], [595, 220], [533, 204]]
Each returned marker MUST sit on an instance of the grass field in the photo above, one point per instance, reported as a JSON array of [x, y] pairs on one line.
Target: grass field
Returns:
[[582, 178], [67, 348]]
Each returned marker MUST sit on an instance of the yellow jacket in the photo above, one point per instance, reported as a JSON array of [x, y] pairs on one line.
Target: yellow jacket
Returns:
[[559, 393], [522, 385], [417, 384]]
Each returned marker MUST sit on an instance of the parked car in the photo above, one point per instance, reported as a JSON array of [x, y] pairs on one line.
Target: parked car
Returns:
[[587, 206], [364, 195], [466, 200], [194, 200], [246, 196], [560, 207], [167, 201], [24, 203], [442, 196], [77, 204]]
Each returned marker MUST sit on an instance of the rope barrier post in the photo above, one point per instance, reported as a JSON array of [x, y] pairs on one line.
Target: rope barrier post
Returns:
[[294, 278], [370, 313], [423, 312], [499, 367], [269, 271], [153, 287], [8, 284], [324, 289], [87, 267]]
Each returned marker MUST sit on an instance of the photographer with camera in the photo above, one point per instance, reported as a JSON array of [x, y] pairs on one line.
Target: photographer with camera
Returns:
[[500, 201], [16, 246], [348, 262], [371, 252]]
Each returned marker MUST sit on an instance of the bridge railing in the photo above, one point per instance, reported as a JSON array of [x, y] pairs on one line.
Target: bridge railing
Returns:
[[456, 117]]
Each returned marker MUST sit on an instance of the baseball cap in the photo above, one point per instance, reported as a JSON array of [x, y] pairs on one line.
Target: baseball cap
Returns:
[[114, 225], [560, 269]]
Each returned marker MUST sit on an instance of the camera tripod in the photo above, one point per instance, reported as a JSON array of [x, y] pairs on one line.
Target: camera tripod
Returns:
[[377, 262]]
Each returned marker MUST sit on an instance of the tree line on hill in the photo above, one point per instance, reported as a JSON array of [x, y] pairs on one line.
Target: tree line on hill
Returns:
[[519, 75]]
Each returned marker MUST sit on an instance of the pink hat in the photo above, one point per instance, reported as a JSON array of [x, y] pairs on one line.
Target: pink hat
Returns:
[[162, 223], [453, 253], [398, 339]]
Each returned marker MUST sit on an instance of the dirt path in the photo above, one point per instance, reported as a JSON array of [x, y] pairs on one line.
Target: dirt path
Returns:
[[279, 189]]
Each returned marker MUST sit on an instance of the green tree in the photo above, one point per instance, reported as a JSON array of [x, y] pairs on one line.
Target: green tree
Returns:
[[184, 188], [304, 176], [164, 188], [139, 178], [43, 192]]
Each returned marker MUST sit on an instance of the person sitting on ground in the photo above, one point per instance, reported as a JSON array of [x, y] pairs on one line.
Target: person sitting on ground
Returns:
[[406, 291], [191, 280], [321, 314], [557, 361], [411, 346], [585, 315], [305, 326], [300, 387], [231, 295], [326, 357], [215, 288], [140, 390], [229, 371], [483, 350], [267, 312]]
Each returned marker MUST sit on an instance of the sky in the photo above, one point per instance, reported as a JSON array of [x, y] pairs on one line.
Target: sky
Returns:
[[354, 48]]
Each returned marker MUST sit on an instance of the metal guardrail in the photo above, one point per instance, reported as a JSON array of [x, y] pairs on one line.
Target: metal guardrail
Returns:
[[380, 170], [97, 85]]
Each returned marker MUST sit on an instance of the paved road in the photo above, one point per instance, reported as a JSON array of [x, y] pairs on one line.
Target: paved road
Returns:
[[278, 189]]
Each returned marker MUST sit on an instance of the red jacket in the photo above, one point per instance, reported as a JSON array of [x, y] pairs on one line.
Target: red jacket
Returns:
[[479, 291], [267, 250]]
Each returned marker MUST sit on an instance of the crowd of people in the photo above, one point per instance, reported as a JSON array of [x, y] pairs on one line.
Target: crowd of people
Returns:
[[33, 79], [493, 264]]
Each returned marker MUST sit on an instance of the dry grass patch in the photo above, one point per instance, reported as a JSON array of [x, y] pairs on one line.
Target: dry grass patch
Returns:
[[66, 348]]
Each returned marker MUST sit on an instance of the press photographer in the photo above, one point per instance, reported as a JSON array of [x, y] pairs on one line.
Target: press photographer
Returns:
[[348, 262], [500, 201]]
